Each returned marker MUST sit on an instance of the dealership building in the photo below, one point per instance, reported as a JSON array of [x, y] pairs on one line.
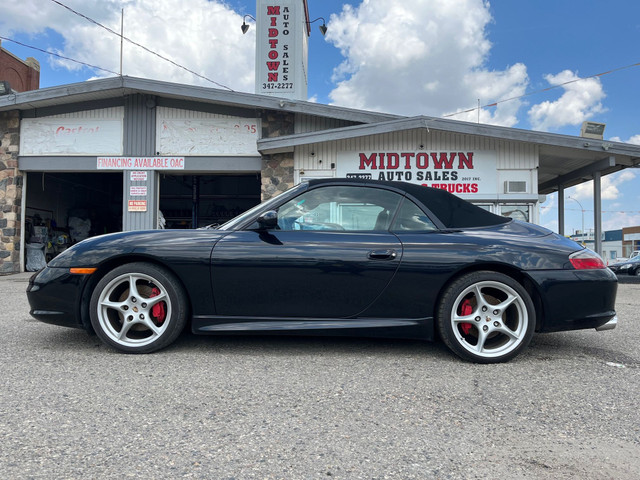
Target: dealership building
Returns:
[[129, 153]]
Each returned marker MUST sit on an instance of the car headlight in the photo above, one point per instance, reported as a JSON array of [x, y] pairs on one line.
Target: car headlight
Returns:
[[625, 266]]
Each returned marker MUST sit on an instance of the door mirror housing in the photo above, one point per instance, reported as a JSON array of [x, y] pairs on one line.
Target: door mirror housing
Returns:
[[268, 220]]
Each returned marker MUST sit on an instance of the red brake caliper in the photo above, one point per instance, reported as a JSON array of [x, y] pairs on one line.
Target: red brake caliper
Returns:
[[466, 309], [158, 311]]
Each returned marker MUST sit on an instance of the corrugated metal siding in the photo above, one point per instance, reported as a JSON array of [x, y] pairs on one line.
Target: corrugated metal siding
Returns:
[[510, 155], [140, 140], [309, 123], [106, 113], [178, 113]]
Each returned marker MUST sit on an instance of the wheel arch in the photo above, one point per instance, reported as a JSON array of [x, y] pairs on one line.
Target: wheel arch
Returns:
[[516, 274], [109, 265]]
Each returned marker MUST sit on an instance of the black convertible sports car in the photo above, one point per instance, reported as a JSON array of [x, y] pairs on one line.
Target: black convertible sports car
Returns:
[[334, 257]]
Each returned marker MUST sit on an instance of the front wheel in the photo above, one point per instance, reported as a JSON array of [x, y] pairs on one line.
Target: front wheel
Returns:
[[138, 308], [486, 317]]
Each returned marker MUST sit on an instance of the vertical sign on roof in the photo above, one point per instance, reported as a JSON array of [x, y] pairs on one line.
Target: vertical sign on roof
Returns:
[[281, 50]]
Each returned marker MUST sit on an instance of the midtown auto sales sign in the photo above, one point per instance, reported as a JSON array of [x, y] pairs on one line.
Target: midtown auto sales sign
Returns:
[[281, 48], [459, 172]]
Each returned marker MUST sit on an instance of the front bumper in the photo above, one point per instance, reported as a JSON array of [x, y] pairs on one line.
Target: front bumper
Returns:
[[55, 296]]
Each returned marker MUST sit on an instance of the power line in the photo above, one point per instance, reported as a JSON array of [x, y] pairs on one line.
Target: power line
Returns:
[[494, 104], [57, 55], [141, 46], [549, 207]]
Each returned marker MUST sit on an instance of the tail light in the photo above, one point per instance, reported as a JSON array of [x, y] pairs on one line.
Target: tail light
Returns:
[[586, 260]]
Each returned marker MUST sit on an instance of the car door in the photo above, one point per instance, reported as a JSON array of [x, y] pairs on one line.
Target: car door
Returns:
[[331, 256]]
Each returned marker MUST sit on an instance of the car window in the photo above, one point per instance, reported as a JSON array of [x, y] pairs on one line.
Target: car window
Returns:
[[243, 217], [411, 218], [340, 208]]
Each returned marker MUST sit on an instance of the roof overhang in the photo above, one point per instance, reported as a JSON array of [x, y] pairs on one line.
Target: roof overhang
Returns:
[[117, 87]]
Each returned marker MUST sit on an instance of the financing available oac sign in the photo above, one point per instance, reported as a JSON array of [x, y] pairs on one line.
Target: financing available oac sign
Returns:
[[459, 172]]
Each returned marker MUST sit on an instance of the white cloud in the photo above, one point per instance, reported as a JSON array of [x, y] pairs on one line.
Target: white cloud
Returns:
[[580, 101], [618, 220], [421, 57], [634, 140], [609, 186], [202, 35]]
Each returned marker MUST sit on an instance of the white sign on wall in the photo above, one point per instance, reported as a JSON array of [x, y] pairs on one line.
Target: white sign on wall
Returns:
[[461, 173], [137, 190], [140, 163], [138, 176], [69, 136], [208, 136]]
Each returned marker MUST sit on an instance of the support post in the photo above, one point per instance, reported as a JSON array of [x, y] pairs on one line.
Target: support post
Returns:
[[597, 213], [561, 210]]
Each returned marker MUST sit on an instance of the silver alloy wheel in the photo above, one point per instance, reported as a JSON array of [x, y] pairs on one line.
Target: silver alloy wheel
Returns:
[[126, 310], [489, 319]]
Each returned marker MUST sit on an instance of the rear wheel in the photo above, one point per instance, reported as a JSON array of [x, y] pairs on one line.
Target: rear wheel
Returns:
[[486, 317], [138, 308]]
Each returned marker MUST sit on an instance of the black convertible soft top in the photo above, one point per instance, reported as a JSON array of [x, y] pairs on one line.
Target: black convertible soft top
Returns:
[[452, 211]]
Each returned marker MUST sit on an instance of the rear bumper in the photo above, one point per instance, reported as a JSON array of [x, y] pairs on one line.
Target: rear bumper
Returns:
[[610, 325], [576, 299]]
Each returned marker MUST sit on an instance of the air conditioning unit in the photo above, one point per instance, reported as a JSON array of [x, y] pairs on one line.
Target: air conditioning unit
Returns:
[[515, 187]]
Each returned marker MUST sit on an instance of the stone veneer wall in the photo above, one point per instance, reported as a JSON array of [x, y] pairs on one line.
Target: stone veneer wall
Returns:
[[277, 170], [11, 180]]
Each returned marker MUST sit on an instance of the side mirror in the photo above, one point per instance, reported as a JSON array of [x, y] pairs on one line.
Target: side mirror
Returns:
[[268, 220]]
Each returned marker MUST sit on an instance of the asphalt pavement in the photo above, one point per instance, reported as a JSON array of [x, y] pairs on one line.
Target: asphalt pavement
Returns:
[[310, 408]]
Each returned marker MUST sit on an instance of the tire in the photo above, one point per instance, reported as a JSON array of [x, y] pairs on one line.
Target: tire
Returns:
[[143, 320], [486, 317]]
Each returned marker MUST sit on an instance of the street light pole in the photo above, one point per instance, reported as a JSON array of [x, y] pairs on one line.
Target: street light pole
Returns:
[[582, 210]]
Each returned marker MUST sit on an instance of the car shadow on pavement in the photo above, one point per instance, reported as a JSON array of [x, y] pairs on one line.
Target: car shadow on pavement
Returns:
[[291, 345]]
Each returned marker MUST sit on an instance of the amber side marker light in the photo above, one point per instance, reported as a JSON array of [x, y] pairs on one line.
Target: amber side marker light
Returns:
[[586, 260], [82, 271]]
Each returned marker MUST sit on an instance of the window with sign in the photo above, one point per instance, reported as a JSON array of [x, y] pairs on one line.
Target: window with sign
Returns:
[[517, 212]]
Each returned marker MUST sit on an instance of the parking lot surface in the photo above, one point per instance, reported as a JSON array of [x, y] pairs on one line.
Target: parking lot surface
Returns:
[[309, 408]]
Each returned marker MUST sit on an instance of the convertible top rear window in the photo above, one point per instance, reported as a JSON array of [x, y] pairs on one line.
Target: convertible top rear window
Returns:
[[452, 211]]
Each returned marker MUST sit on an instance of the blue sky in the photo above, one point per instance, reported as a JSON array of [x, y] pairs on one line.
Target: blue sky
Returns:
[[431, 57]]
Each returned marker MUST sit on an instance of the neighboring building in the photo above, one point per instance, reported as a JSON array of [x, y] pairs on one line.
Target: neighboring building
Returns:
[[611, 244], [630, 240], [21, 75], [105, 155]]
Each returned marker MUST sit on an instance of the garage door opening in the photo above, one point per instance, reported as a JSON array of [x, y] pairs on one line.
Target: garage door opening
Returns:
[[65, 208], [194, 201]]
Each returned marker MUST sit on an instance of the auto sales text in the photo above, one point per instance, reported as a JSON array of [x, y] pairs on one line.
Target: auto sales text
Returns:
[[423, 167]]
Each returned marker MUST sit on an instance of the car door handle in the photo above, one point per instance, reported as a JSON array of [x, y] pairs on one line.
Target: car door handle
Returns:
[[382, 254]]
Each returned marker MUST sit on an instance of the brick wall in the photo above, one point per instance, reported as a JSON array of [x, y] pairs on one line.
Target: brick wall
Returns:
[[277, 170], [11, 181], [21, 75]]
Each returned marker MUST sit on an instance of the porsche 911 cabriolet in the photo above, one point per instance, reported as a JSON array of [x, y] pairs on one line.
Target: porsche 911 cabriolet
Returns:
[[334, 257]]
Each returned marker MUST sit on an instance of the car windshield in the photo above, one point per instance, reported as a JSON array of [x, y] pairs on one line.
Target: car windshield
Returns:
[[240, 219]]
